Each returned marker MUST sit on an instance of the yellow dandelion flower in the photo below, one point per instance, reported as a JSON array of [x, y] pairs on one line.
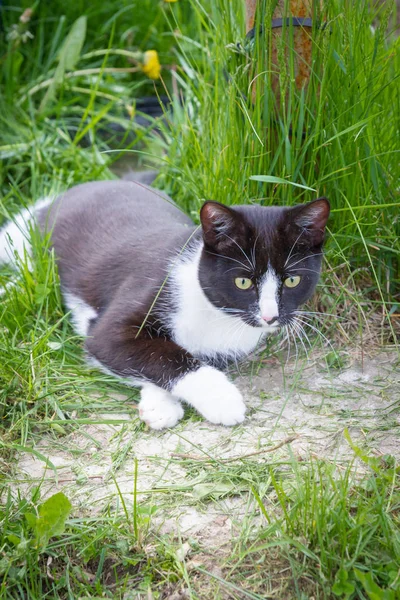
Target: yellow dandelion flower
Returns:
[[151, 65], [130, 110], [170, 0]]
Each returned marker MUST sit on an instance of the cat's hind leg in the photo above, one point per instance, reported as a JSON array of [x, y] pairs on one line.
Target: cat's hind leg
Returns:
[[158, 408]]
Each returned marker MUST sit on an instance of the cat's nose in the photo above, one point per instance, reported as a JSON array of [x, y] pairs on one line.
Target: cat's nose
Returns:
[[268, 319]]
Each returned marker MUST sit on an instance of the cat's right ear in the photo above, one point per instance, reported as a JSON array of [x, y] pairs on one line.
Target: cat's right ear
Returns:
[[222, 226], [310, 220]]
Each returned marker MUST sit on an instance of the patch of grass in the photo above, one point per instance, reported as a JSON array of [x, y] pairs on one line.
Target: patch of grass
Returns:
[[322, 534], [98, 556], [327, 530]]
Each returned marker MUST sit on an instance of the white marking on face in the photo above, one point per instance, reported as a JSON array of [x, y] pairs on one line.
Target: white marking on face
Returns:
[[269, 298], [199, 326]]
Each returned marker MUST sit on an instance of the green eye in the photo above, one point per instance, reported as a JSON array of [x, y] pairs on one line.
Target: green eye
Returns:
[[292, 281], [243, 283]]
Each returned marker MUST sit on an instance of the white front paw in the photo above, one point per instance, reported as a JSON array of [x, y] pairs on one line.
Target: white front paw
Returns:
[[211, 393], [158, 409]]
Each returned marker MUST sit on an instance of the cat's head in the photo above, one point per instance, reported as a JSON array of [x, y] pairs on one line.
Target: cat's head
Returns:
[[262, 263]]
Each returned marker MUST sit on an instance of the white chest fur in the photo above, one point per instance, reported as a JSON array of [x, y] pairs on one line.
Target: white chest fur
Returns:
[[198, 326]]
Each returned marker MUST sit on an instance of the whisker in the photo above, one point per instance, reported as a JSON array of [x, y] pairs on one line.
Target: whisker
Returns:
[[304, 333], [292, 248], [245, 267], [240, 248], [297, 327], [317, 331], [235, 341], [233, 269], [288, 342], [295, 343], [304, 269], [305, 313], [304, 258], [253, 251]]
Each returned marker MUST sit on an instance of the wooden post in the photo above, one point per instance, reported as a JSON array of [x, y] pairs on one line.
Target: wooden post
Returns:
[[301, 9], [251, 6]]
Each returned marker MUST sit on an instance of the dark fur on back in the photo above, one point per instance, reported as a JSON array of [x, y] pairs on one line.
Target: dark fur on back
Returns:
[[113, 235]]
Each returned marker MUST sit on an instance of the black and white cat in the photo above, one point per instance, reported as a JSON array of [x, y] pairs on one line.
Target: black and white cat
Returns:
[[163, 303]]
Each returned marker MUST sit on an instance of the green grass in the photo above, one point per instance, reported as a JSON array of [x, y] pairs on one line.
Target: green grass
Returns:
[[104, 556], [316, 528], [322, 533]]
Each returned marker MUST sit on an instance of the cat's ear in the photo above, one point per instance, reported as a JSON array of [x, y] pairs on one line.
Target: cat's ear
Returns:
[[311, 219], [222, 226]]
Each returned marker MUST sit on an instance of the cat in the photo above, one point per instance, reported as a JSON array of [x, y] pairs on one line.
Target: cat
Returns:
[[164, 304]]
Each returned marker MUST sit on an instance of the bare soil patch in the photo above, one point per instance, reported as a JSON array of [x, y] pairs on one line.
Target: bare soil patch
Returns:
[[96, 463]]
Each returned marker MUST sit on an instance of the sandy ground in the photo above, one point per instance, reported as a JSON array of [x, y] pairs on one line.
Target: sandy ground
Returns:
[[311, 403]]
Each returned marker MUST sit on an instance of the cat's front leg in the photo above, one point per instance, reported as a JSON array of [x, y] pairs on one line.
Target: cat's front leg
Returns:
[[206, 389], [211, 393], [158, 408], [167, 373]]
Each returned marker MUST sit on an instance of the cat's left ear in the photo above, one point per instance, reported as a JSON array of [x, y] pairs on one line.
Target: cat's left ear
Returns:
[[312, 219], [223, 226]]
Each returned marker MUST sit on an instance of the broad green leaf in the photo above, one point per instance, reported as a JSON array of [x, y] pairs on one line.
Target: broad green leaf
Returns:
[[272, 179], [5, 564], [342, 587], [51, 518], [336, 360], [54, 345], [373, 590], [72, 47], [67, 58], [31, 519], [41, 293], [14, 539]]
